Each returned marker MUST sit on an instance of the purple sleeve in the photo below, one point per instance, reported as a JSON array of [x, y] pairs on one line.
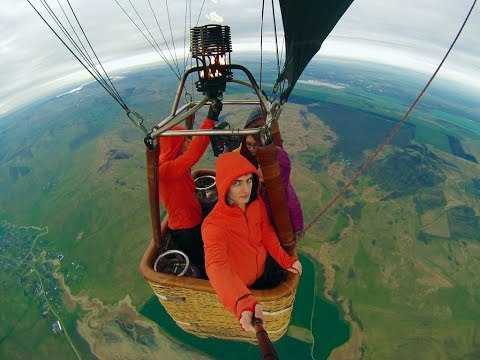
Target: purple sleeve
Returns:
[[294, 207], [285, 166], [295, 210]]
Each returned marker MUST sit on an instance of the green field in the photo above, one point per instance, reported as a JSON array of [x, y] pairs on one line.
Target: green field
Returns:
[[411, 298], [404, 239]]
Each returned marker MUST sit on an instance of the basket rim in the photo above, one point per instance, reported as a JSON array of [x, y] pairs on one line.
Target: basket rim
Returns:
[[285, 289]]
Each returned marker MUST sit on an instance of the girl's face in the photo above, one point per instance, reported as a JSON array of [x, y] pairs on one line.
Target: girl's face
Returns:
[[251, 144], [240, 191]]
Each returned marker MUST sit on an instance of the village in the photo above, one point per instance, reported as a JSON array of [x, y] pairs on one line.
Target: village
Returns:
[[35, 277]]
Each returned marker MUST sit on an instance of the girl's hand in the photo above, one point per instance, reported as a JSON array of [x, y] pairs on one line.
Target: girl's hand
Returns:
[[296, 268]]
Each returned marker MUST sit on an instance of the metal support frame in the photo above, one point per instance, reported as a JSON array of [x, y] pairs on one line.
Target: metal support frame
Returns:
[[177, 115]]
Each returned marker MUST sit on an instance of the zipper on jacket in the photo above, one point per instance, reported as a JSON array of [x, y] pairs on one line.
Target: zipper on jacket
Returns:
[[253, 244]]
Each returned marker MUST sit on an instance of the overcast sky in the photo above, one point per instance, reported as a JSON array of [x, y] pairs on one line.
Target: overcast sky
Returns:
[[407, 33]]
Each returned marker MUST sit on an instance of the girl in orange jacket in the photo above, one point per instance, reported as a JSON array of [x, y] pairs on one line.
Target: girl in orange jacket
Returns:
[[177, 188], [237, 235]]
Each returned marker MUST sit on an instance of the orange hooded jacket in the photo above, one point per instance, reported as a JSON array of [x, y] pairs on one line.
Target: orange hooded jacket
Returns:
[[176, 185], [236, 242]]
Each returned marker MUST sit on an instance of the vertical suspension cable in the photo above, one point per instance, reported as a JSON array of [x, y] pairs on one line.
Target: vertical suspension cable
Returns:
[[185, 33], [200, 13], [187, 24], [187, 58], [152, 37], [261, 43], [161, 32], [192, 89], [276, 36], [171, 32], [198, 21], [276, 42], [159, 51]]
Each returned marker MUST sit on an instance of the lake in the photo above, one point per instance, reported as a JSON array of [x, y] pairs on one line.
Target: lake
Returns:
[[327, 325]]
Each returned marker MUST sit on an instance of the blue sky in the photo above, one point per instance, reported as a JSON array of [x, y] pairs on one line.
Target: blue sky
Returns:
[[406, 33]]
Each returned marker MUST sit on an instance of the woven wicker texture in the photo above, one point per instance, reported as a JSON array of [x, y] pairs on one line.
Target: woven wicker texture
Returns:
[[194, 306], [200, 313]]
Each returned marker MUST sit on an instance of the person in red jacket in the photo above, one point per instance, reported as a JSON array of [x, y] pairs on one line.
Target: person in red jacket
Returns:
[[177, 188], [237, 236]]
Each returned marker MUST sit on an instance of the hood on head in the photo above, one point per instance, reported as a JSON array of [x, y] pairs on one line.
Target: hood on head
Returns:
[[231, 166], [171, 145], [254, 115]]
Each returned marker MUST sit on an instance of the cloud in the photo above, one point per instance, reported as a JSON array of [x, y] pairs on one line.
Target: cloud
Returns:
[[214, 17], [404, 33]]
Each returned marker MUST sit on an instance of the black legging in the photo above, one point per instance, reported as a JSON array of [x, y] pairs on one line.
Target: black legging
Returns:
[[271, 277], [190, 242]]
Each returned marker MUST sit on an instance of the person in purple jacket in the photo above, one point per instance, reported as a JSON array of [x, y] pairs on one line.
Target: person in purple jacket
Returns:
[[249, 150]]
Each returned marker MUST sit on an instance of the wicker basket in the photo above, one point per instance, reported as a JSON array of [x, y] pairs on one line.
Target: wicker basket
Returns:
[[192, 303], [194, 306]]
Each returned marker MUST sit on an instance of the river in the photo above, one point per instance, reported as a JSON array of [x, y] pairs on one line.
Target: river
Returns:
[[328, 328]]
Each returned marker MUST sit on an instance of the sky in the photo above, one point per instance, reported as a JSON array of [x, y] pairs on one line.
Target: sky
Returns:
[[407, 33]]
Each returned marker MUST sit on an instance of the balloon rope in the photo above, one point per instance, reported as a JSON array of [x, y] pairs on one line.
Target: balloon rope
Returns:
[[313, 310], [261, 43]]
